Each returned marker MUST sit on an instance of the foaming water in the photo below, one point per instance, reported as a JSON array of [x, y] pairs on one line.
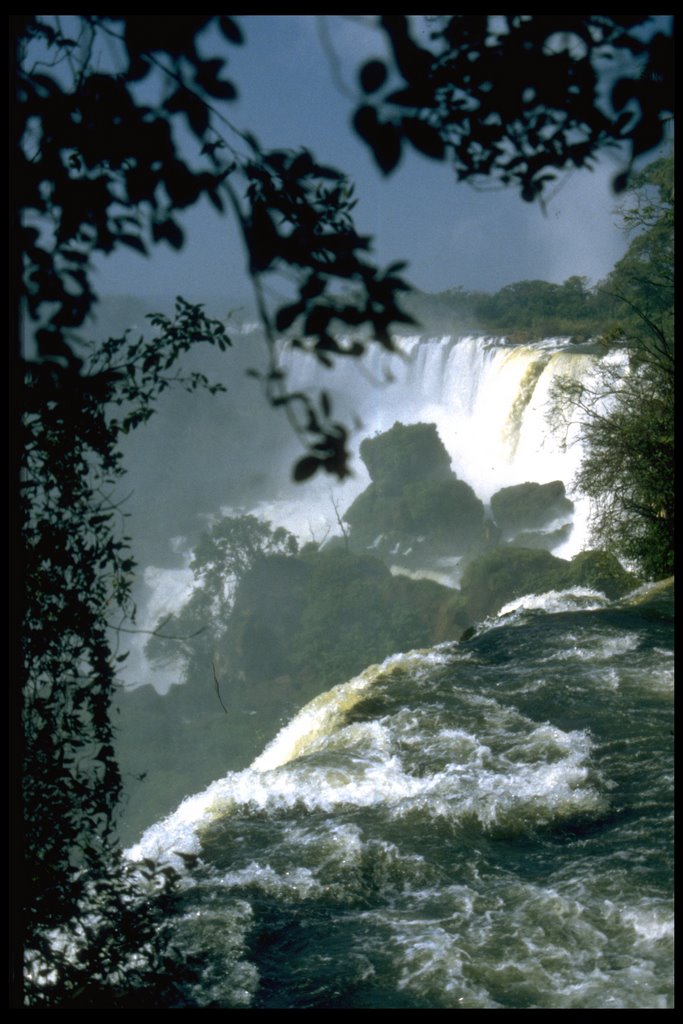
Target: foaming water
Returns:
[[485, 824], [472, 388], [557, 601], [480, 825]]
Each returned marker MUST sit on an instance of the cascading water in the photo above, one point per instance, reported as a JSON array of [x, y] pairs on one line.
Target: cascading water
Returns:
[[444, 832], [486, 824], [489, 399]]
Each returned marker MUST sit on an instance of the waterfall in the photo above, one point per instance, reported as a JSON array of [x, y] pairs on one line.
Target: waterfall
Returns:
[[440, 830], [488, 398]]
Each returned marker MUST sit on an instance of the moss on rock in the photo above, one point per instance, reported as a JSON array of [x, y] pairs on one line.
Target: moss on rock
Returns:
[[415, 508], [529, 506], [506, 573], [601, 571]]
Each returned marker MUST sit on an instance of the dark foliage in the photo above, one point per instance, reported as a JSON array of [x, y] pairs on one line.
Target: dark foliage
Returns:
[[516, 98], [626, 413], [507, 98], [116, 950], [84, 190], [79, 573]]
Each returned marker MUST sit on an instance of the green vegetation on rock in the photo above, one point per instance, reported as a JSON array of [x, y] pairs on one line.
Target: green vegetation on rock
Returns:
[[415, 506], [405, 453], [529, 506], [504, 574]]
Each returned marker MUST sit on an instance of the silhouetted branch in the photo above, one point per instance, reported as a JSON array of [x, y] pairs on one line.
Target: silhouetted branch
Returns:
[[218, 692], [155, 632]]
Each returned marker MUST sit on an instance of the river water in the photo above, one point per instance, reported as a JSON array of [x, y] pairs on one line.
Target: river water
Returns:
[[486, 824]]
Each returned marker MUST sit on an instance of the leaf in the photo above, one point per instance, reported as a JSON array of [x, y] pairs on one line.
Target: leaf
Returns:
[[230, 30], [169, 231], [620, 182], [215, 199], [133, 242], [221, 89], [424, 138], [197, 115], [383, 138], [365, 122], [286, 315], [306, 468], [207, 77], [372, 76]]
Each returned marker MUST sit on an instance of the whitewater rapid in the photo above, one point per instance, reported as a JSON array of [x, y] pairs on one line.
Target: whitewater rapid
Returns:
[[287, 773], [482, 825]]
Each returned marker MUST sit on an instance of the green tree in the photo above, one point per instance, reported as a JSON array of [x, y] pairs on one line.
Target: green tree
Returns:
[[626, 415], [79, 573], [642, 282], [222, 557]]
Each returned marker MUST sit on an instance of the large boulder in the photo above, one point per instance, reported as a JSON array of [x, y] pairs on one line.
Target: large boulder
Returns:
[[600, 570], [530, 506], [493, 579], [405, 453], [415, 509], [427, 519]]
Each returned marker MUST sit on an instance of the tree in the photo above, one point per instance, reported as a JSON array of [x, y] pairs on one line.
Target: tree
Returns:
[[222, 557], [642, 282], [503, 98], [626, 415], [79, 570], [513, 98]]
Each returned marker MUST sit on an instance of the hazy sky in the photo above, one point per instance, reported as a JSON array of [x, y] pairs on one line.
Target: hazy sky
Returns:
[[296, 80]]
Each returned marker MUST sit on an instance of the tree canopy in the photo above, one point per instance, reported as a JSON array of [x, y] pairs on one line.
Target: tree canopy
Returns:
[[223, 556], [626, 414]]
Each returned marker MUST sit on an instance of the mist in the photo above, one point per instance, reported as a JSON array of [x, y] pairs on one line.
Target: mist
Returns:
[[203, 461]]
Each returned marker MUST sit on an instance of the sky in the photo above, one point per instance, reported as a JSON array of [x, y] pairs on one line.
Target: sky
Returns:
[[296, 81]]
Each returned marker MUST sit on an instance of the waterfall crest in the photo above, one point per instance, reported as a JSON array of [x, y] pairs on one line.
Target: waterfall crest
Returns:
[[489, 399]]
